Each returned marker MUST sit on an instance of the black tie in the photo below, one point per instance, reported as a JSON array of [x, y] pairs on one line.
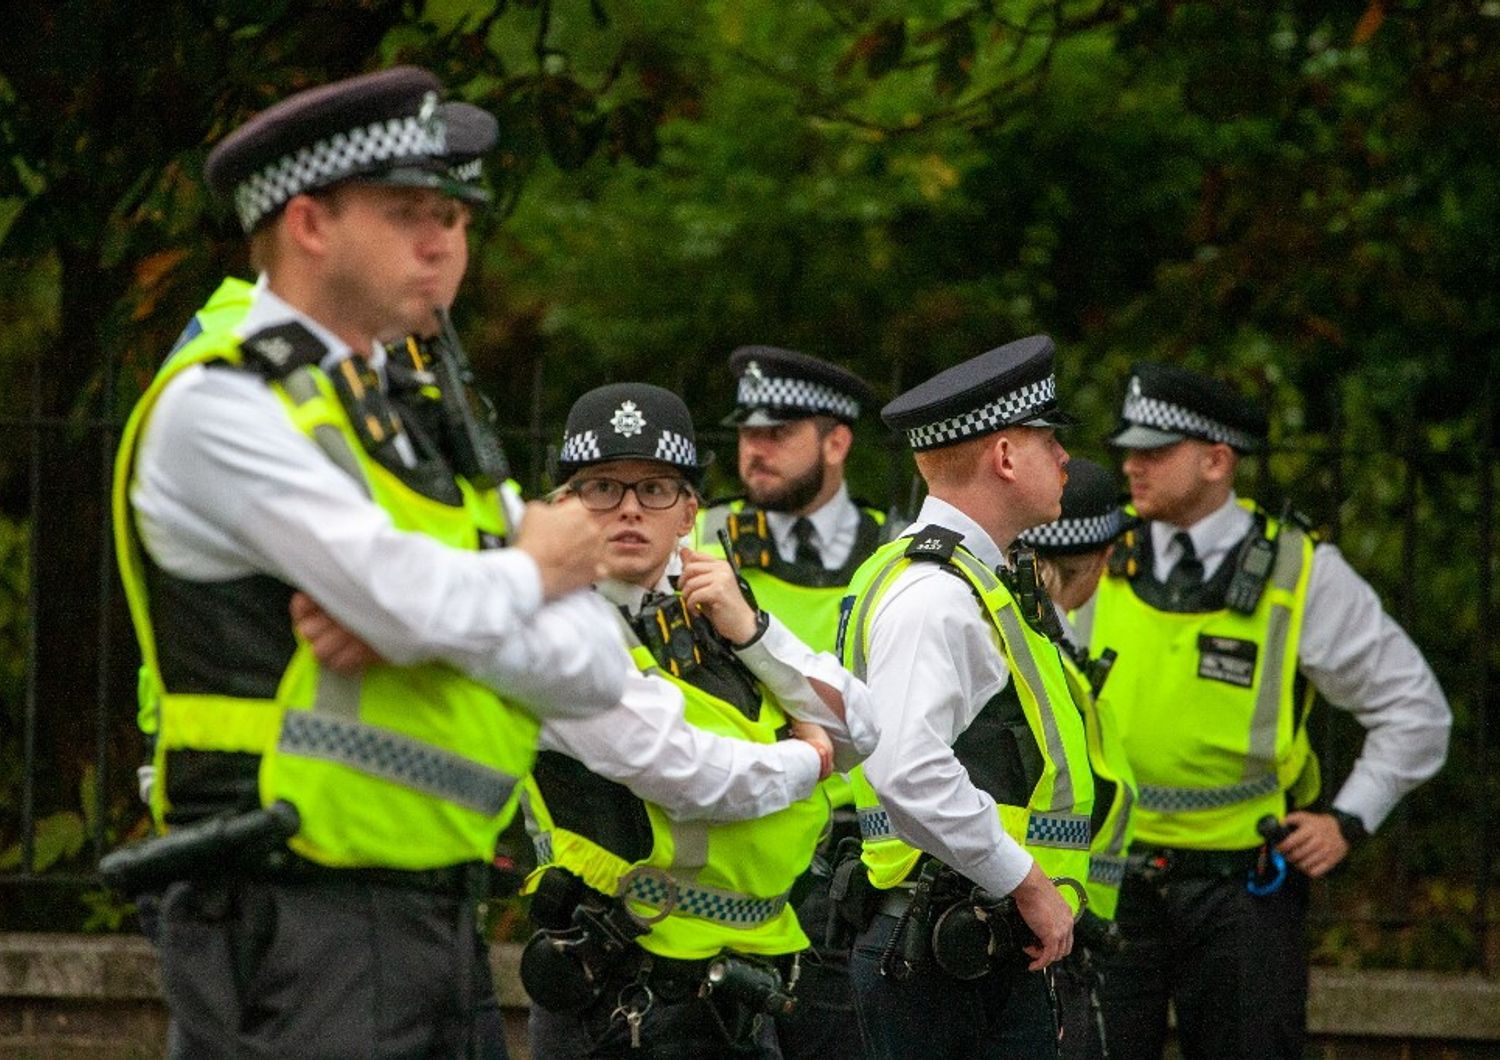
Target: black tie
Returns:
[[807, 552], [1187, 576]]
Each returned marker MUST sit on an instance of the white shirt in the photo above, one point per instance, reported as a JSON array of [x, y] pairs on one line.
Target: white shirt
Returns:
[[835, 527], [225, 486], [646, 743], [1354, 654], [934, 662]]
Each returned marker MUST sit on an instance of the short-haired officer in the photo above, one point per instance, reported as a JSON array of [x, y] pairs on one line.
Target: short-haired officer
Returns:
[[1226, 620], [1071, 554], [979, 791], [267, 458], [672, 847], [798, 538]]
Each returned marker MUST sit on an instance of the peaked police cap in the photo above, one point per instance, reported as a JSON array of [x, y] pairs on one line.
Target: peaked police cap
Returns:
[[1165, 404], [1009, 386], [383, 127], [778, 386]]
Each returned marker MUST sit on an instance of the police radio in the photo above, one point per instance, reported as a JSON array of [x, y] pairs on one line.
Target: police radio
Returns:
[[1253, 569], [477, 455]]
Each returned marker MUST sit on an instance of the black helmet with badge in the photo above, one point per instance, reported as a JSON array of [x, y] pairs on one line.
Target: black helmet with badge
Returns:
[[777, 386], [631, 421], [1010, 386], [1091, 519], [1165, 404], [383, 128]]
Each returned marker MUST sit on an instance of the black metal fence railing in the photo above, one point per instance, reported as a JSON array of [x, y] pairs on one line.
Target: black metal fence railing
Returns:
[[1418, 521]]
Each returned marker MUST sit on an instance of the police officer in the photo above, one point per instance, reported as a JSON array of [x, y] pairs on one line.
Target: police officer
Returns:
[[1226, 620], [797, 535], [684, 845], [1071, 553], [981, 776], [267, 458], [798, 538]]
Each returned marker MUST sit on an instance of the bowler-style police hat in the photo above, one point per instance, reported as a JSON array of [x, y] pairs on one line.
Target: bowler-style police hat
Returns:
[[1165, 404], [630, 421], [1091, 514], [1010, 386], [384, 128], [779, 386]]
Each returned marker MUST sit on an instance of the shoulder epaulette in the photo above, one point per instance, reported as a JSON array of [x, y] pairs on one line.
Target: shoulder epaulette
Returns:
[[276, 352], [935, 543]]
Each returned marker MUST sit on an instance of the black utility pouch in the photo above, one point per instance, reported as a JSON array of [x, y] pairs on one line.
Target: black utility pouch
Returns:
[[852, 896]]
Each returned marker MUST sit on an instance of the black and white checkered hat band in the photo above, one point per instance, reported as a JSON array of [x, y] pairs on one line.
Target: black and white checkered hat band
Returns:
[[1007, 409], [468, 173], [1097, 530], [1165, 416], [674, 449], [580, 448], [774, 392], [342, 154]]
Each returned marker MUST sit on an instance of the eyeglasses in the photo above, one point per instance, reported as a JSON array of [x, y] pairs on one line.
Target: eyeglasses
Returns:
[[606, 494]]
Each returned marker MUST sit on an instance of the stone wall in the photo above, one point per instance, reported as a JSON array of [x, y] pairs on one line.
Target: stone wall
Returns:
[[71, 997]]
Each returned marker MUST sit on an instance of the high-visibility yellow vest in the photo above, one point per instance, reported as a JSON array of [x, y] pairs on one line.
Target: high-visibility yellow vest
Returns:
[[1114, 796], [1053, 824], [714, 885], [405, 767], [1209, 704]]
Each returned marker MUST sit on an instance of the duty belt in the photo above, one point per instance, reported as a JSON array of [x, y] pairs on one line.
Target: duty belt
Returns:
[[1068, 831], [1154, 864], [654, 887]]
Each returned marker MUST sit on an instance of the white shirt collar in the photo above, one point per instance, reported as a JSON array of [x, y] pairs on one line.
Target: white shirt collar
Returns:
[[630, 596], [975, 538], [1213, 537], [835, 526]]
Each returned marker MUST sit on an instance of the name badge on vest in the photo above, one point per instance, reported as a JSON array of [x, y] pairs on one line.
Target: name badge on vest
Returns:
[[1228, 660]]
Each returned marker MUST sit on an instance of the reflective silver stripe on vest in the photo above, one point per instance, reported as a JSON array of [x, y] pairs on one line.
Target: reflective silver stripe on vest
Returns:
[[542, 844], [706, 903], [1107, 870], [301, 387], [1163, 799], [1116, 846], [1260, 756], [1070, 831], [396, 758], [875, 823], [1062, 781], [858, 663]]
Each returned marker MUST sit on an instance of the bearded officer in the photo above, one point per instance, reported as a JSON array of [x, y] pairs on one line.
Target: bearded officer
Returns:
[[1227, 620], [981, 779]]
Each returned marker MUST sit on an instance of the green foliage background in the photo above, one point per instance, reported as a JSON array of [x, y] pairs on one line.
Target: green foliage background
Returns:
[[1300, 196]]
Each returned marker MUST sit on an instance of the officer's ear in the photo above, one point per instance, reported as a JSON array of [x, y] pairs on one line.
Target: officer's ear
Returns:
[[1000, 456], [836, 438], [689, 512], [1218, 462]]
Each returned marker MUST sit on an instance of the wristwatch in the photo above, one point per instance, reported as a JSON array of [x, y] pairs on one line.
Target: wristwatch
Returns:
[[762, 623], [1350, 826]]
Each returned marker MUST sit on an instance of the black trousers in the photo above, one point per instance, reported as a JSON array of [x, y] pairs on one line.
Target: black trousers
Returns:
[[324, 969], [936, 1017], [1233, 965], [824, 1025]]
